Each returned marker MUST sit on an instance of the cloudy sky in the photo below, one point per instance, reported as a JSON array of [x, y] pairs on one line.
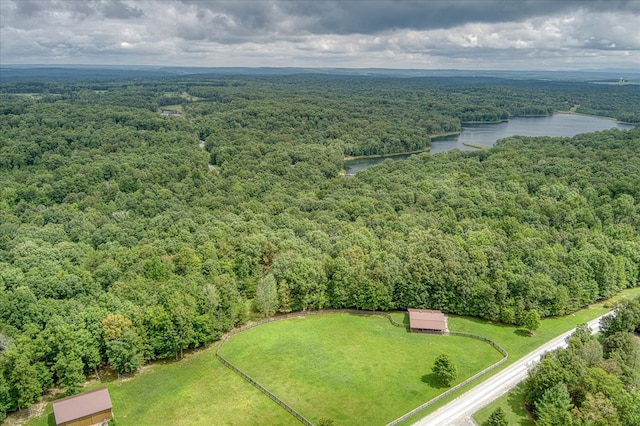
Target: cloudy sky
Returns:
[[463, 34]]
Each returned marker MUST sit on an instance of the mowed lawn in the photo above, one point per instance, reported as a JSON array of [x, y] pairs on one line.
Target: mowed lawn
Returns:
[[350, 368], [197, 390]]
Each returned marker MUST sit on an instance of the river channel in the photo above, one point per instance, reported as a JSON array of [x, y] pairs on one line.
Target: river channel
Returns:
[[489, 134]]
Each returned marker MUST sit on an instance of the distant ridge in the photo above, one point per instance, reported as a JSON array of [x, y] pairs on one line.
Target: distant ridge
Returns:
[[100, 72]]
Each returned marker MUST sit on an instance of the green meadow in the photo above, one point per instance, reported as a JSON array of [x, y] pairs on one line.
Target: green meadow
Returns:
[[349, 368], [197, 390]]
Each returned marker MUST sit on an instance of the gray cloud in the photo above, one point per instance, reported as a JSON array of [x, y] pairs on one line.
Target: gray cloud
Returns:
[[370, 17], [350, 17], [118, 10], [29, 8], [401, 33]]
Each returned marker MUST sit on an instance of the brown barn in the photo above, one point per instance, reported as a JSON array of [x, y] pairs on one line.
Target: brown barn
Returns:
[[85, 409], [427, 321]]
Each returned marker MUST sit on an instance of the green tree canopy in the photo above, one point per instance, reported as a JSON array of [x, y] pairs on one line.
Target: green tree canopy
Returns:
[[531, 320], [445, 370], [497, 418]]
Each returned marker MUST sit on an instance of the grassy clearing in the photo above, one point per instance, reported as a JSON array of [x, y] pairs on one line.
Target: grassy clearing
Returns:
[[189, 97], [198, 390], [184, 95], [513, 405], [176, 107], [352, 369]]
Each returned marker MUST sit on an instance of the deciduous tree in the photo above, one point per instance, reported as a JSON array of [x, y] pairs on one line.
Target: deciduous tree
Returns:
[[266, 300], [445, 370], [531, 321], [125, 353]]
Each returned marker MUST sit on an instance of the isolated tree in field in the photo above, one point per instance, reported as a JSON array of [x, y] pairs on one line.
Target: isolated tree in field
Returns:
[[445, 369], [266, 300], [531, 321], [497, 418]]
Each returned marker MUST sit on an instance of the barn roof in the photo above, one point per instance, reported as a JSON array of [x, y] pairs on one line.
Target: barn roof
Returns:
[[427, 319], [81, 405]]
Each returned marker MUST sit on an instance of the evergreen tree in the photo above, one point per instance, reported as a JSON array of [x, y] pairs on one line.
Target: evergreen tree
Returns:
[[553, 408], [497, 418]]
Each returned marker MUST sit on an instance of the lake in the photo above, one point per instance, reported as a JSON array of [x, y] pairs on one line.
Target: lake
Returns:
[[489, 134]]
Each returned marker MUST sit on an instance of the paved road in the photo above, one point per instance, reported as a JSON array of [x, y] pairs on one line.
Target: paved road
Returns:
[[458, 412]]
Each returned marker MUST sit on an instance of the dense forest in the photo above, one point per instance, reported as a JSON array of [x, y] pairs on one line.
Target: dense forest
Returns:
[[594, 381], [128, 236]]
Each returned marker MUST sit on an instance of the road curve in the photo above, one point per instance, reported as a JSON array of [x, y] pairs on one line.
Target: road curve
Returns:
[[459, 411]]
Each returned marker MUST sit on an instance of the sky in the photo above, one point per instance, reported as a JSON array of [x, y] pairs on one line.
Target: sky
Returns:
[[453, 34]]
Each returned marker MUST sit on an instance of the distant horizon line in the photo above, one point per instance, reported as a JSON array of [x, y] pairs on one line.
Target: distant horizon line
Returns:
[[87, 65]]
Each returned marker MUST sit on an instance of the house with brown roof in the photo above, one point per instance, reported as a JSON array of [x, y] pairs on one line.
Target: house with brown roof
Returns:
[[85, 409], [427, 321]]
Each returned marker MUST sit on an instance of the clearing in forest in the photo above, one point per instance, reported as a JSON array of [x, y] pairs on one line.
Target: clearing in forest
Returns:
[[350, 368]]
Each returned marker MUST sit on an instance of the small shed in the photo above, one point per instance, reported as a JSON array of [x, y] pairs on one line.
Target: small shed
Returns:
[[85, 409], [427, 321]]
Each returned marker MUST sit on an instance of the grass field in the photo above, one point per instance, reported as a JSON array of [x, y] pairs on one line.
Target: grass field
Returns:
[[512, 404], [348, 368], [177, 107], [199, 390]]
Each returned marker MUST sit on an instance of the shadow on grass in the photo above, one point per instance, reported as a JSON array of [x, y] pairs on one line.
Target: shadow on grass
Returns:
[[517, 406], [433, 381], [483, 321], [51, 421], [406, 322], [108, 375], [522, 332]]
